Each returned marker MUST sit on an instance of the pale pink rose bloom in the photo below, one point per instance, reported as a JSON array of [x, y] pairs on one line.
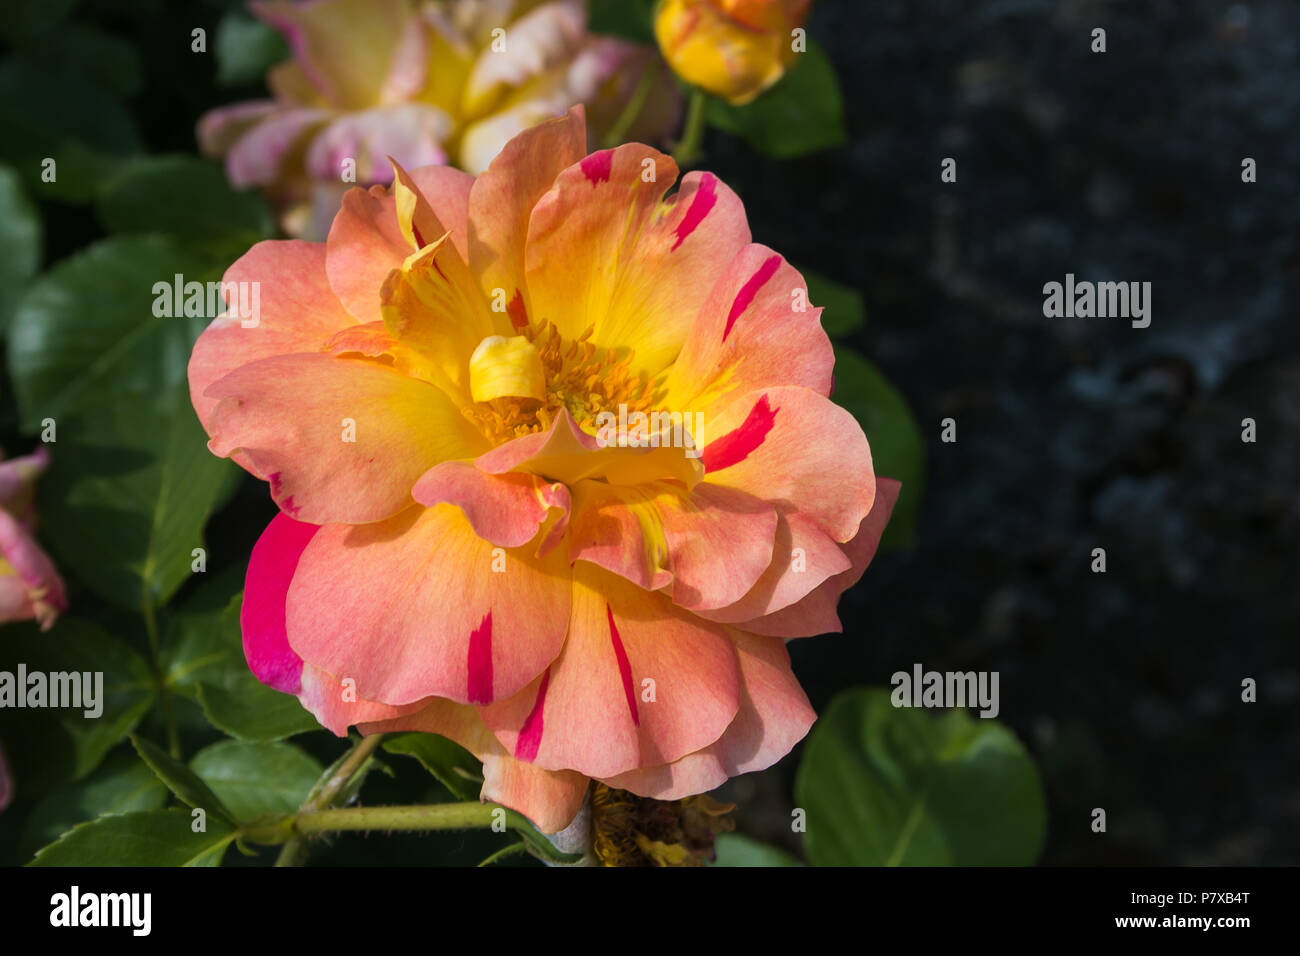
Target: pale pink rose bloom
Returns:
[[433, 82], [30, 587]]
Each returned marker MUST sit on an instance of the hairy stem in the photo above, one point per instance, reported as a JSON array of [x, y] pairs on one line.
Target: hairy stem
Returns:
[[326, 791]]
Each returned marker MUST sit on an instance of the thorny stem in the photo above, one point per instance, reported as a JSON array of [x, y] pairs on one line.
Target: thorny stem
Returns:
[[435, 816], [326, 792]]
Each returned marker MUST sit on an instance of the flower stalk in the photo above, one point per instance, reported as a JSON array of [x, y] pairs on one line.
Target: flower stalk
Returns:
[[687, 151], [287, 828]]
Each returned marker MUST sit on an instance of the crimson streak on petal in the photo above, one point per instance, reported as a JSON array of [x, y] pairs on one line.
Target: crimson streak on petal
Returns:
[[480, 662], [739, 443]]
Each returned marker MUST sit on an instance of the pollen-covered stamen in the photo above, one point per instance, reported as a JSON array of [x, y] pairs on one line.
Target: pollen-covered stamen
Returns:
[[628, 830], [514, 397]]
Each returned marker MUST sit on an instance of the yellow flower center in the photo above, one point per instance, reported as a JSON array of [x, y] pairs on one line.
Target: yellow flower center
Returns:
[[520, 384], [506, 368]]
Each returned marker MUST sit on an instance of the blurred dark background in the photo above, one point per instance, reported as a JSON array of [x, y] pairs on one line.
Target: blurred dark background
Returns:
[[1072, 433], [1080, 433]]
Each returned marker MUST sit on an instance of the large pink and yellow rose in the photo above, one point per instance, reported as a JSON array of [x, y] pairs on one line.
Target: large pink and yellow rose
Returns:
[[464, 549], [422, 81]]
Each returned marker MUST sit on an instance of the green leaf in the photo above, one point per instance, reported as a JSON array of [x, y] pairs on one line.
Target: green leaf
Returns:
[[20, 243], [897, 449], [47, 746], [49, 110], [885, 785], [187, 198], [454, 767], [149, 838], [245, 49], [252, 711], [257, 778], [630, 19], [734, 849], [842, 309], [181, 780], [235, 701], [802, 114], [203, 643], [127, 504], [85, 334], [104, 60], [121, 785]]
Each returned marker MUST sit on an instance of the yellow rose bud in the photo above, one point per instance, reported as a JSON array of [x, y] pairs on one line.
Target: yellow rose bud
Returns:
[[734, 49]]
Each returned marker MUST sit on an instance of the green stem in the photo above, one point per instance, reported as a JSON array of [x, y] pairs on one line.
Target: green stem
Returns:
[[688, 148], [435, 816], [513, 849], [326, 791], [633, 109], [164, 689]]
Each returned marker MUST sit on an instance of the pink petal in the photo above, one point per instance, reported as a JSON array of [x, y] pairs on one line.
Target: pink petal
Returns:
[[815, 613], [708, 546], [18, 483], [507, 510], [751, 335], [566, 453], [606, 251], [292, 418], [6, 782], [257, 158], [773, 716], [502, 199], [365, 243], [790, 444], [344, 47], [411, 133], [337, 706], [298, 312], [33, 586], [548, 798], [596, 716], [397, 606], [803, 556], [271, 567], [545, 36], [220, 129]]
